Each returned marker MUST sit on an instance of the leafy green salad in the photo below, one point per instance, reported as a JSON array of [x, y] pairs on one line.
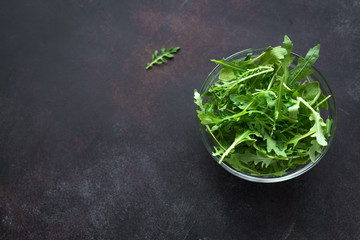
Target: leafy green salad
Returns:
[[263, 115]]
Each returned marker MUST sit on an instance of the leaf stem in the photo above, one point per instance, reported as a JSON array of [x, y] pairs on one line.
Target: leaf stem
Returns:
[[211, 133], [317, 105], [277, 104], [289, 127], [154, 61], [286, 86], [315, 98], [273, 78], [269, 69], [306, 104], [236, 142]]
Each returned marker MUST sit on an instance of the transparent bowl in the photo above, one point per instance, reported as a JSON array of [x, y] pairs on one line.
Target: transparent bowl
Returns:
[[291, 173]]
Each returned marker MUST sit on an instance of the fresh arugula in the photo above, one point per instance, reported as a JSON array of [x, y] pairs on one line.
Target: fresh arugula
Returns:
[[264, 119], [160, 59]]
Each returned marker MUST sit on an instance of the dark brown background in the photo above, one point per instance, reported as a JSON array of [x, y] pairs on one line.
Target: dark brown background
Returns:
[[92, 146]]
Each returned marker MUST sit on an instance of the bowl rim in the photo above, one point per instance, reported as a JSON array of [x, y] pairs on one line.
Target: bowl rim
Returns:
[[266, 178]]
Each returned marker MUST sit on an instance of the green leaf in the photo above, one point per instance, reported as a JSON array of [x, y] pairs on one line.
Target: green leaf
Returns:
[[242, 101], [285, 64], [272, 55], [278, 101], [245, 136], [318, 126], [273, 145], [227, 74], [310, 92], [173, 49], [322, 101], [287, 44], [269, 100], [279, 173], [298, 137], [294, 110], [208, 118], [160, 59], [198, 100], [315, 148], [302, 70], [235, 160], [231, 65], [328, 126], [257, 158], [218, 151]]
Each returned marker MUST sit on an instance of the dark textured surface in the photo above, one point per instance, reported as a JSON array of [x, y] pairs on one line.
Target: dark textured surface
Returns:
[[92, 146]]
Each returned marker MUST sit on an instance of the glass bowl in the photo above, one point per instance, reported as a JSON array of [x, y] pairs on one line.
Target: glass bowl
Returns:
[[291, 173]]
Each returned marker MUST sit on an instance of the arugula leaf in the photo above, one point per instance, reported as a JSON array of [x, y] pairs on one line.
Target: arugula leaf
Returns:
[[287, 44], [198, 100], [227, 74], [272, 55], [236, 161], [248, 157], [318, 126], [242, 101], [315, 148], [294, 110], [273, 145], [257, 158], [237, 66], [263, 118], [298, 137], [302, 68], [160, 59], [328, 126], [310, 92], [319, 129], [270, 101], [245, 136], [208, 118]]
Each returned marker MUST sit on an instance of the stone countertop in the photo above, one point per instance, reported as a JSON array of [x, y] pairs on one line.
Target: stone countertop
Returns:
[[92, 146]]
